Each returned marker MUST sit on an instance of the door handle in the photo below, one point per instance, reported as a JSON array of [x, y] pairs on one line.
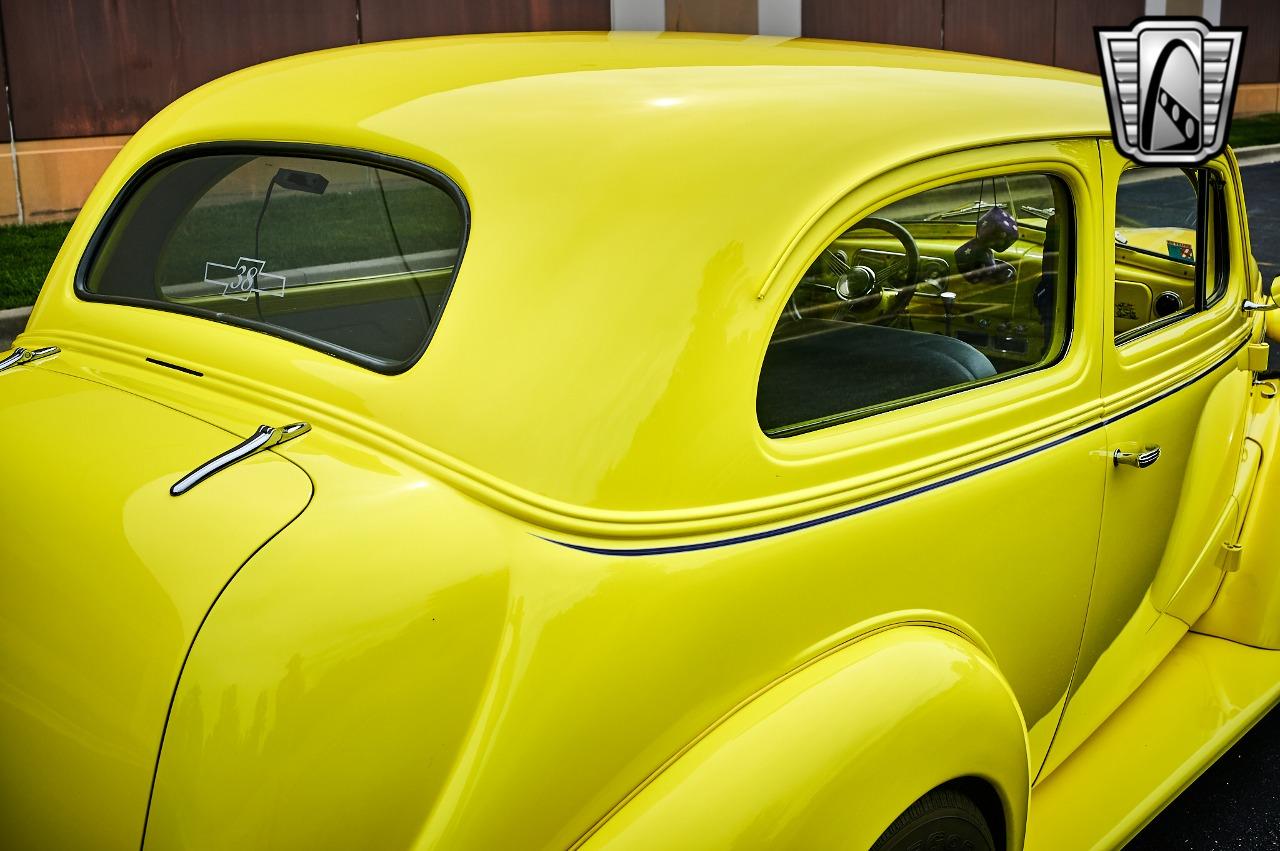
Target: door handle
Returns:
[[263, 439], [1251, 306], [1141, 460]]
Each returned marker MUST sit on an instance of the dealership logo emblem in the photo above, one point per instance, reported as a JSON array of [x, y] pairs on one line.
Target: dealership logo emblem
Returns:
[[1171, 84]]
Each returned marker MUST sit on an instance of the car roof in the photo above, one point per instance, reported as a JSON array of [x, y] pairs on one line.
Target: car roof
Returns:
[[630, 194], [520, 80]]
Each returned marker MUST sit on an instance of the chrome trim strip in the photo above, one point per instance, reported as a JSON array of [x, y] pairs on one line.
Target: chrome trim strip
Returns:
[[263, 439], [916, 491]]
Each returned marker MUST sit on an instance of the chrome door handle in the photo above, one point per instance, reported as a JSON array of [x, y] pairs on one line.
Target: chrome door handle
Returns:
[[1251, 306], [263, 439], [1141, 460], [21, 356]]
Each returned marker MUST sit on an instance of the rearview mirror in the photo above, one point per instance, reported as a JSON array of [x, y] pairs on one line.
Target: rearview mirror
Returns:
[[301, 181]]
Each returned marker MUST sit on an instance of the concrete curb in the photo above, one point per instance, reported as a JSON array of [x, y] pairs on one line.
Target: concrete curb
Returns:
[[1258, 155], [12, 322]]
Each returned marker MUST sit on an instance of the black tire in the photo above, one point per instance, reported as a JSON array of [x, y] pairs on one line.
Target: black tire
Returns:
[[942, 820]]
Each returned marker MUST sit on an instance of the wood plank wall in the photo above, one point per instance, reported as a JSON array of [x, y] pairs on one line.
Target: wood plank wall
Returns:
[[102, 67], [1051, 32]]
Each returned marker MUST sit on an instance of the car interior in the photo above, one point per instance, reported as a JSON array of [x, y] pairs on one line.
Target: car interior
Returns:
[[955, 286]]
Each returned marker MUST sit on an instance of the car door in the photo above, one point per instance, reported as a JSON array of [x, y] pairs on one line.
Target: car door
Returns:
[[1175, 386], [983, 382]]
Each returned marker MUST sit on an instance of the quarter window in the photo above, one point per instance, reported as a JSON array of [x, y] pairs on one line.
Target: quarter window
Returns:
[[945, 290], [1170, 249], [342, 256]]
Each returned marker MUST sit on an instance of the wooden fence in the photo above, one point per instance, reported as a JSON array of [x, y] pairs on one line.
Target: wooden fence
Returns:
[[80, 75]]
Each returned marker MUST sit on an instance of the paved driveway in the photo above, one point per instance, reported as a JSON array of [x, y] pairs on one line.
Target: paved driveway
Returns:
[[1262, 196]]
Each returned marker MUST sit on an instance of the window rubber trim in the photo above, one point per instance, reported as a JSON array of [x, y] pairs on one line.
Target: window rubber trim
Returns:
[[333, 153], [1221, 242]]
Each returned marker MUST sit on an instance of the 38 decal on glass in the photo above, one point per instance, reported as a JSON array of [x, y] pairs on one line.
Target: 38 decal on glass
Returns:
[[244, 278]]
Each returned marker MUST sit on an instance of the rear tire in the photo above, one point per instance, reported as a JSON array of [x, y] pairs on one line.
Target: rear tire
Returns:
[[941, 820]]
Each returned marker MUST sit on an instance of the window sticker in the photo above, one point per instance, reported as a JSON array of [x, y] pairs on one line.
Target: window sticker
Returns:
[[244, 278], [1181, 251]]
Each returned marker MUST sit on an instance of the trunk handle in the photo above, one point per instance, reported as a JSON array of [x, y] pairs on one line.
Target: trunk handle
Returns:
[[21, 356], [263, 439]]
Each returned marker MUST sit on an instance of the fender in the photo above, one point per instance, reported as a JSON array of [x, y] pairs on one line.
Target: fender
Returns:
[[1208, 510], [831, 755], [1247, 607]]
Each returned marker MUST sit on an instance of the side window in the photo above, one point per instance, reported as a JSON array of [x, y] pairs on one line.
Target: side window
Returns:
[[1170, 247], [948, 289]]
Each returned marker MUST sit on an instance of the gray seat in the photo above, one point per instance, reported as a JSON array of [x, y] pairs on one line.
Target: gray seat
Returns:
[[817, 368]]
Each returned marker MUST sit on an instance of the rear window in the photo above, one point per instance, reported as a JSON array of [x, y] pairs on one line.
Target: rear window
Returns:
[[347, 257]]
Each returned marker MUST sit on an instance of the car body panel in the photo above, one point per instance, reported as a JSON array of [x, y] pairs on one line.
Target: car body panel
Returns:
[[330, 702], [537, 577], [631, 457], [1197, 703], [1245, 609], [603, 667], [781, 771], [108, 578], [1184, 388]]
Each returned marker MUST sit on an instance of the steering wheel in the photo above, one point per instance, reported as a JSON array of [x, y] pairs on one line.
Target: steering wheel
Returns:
[[859, 287]]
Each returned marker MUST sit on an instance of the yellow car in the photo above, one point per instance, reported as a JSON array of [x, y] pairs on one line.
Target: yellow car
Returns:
[[635, 442]]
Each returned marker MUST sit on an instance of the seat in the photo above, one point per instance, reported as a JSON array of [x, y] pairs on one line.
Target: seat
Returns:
[[816, 368]]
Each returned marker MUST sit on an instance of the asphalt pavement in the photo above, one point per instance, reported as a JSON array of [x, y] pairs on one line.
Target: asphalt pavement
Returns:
[[1262, 197], [1236, 803]]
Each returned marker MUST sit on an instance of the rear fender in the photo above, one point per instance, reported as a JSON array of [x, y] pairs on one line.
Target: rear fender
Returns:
[[832, 754], [1208, 512]]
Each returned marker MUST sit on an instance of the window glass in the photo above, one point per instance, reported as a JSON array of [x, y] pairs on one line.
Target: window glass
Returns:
[[1167, 247], [950, 288], [345, 257]]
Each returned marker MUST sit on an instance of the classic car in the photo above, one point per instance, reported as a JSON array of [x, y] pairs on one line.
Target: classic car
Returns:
[[635, 442]]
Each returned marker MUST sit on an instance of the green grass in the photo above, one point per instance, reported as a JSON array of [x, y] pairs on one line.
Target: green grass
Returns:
[[26, 253], [1255, 130], [296, 232], [307, 230]]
